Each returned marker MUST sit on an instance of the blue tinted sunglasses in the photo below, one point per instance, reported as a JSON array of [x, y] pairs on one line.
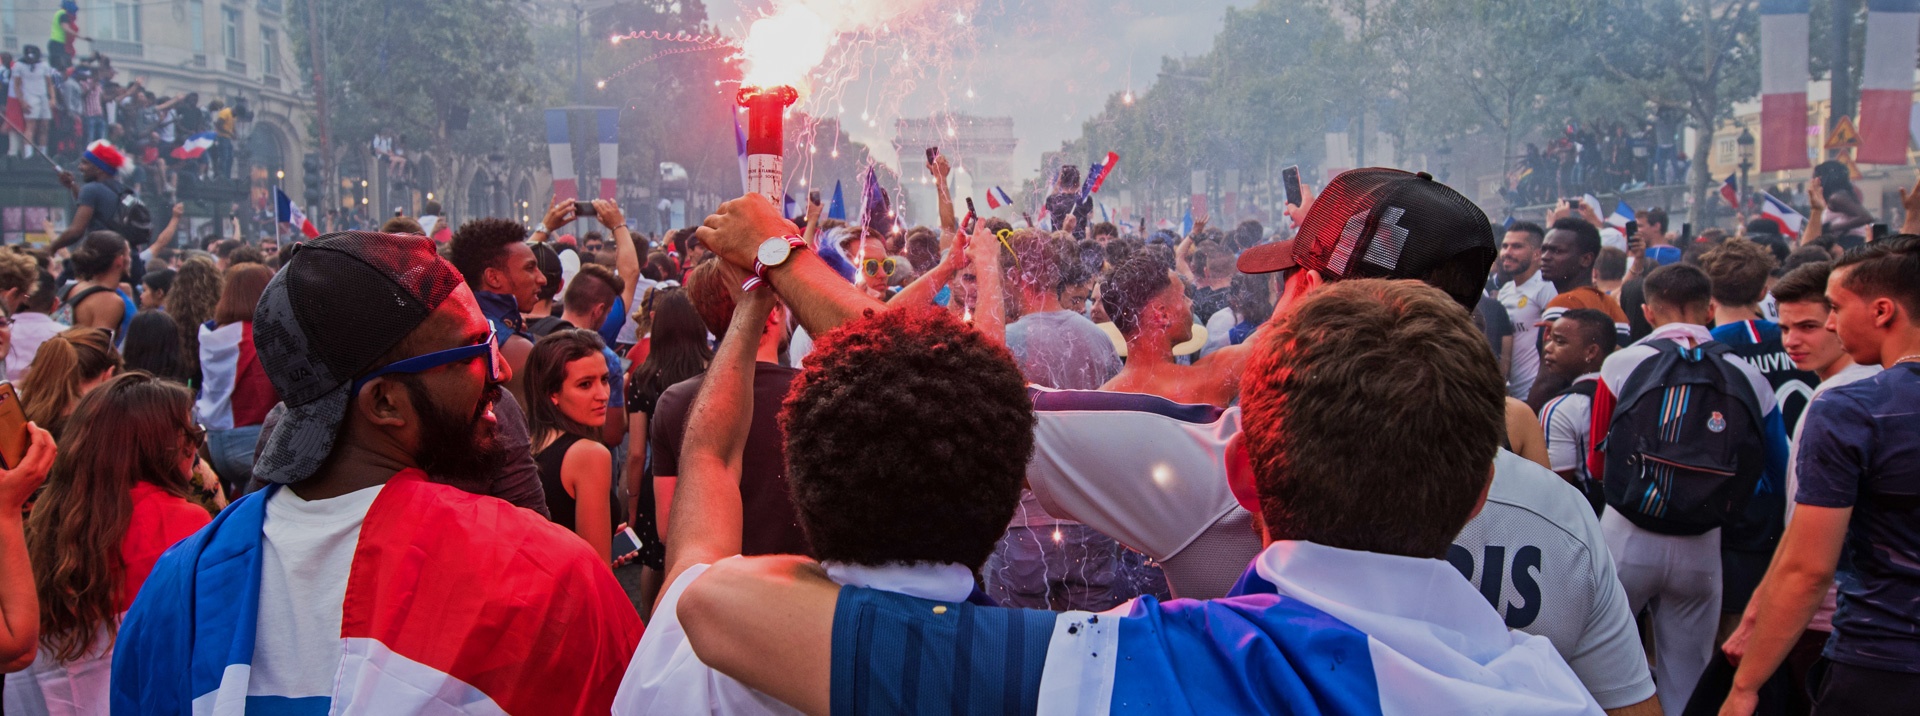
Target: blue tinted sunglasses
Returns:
[[496, 365]]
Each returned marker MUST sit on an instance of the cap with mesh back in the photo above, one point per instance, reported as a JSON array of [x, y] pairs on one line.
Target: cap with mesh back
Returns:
[[1386, 223], [339, 304]]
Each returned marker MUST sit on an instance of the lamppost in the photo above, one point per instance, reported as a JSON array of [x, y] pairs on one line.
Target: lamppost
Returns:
[[1746, 162]]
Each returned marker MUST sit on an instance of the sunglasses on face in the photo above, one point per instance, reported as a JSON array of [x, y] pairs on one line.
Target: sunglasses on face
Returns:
[[496, 365], [875, 267]]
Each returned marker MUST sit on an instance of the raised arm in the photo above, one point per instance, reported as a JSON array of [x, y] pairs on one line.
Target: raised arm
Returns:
[[940, 170], [923, 289], [19, 603], [990, 308], [558, 215], [626, 256], [820, 298], [166, 234], [705, 526]]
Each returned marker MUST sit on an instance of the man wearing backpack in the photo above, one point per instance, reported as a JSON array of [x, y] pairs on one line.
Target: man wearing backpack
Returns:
[[101, 203], [1684, 435]]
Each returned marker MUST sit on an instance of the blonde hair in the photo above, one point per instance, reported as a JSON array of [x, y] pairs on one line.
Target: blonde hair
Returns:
[[65, 362]]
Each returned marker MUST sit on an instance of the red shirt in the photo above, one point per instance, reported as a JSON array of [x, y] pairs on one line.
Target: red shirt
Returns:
[[159, 520]]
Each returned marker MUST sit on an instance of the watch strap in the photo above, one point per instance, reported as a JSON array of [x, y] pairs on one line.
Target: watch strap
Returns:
[[794, 243]]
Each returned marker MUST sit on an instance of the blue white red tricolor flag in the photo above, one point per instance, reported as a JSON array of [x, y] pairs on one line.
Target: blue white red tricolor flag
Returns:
[[1621, 215], [288, 212], [479, 634], [195, 146], [1778, 212], [1104, 169], [1731, 192], [1783, 85], [1886, 80], [997, 197]]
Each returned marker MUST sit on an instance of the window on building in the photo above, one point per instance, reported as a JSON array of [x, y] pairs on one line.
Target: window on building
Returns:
[[269, 51], [117, 21], [1726, 150], [8, 24], [233, 22], [197, 26]]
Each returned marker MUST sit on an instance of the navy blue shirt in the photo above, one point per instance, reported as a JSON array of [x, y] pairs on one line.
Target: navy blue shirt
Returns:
[[1860, 448]]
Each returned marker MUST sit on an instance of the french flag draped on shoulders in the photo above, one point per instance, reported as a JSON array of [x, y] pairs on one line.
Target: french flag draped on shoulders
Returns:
[[1309, 629], [511, 615], [288, 212]]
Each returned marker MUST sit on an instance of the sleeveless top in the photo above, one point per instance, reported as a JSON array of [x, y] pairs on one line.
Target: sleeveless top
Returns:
[[559, 504]]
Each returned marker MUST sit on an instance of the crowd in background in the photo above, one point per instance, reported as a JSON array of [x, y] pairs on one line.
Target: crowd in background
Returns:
[[972, 416]]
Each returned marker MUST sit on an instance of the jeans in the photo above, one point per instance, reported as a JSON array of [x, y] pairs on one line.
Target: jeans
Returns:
[[94, 127], [232, 453]]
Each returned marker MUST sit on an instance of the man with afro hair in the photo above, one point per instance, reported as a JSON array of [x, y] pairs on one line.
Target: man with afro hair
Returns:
[[896, 489]]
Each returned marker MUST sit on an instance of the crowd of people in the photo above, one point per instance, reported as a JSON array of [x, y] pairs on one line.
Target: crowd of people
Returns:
[[1390, 457], [58, 102], [1611, 157]]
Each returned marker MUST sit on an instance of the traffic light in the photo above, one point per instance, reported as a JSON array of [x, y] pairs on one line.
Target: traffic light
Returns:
[[312, 179]]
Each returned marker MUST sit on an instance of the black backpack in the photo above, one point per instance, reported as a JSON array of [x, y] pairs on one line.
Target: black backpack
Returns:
[[135, 223], [1687, 444]]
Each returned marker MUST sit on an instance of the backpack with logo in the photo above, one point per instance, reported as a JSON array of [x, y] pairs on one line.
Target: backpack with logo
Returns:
[[1687, 444]]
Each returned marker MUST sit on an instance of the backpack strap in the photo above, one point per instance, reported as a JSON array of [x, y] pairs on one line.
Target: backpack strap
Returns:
[[1581, 387]]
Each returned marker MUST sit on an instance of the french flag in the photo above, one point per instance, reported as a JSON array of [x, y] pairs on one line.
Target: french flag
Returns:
[[1104, 170], [526, 619], [195, 146], [1790, 221], [997, 197], [1308, 629], [288, 212], [1886, 80], [1731, 192], [1621, 215], [566, 182], [1783, 84]]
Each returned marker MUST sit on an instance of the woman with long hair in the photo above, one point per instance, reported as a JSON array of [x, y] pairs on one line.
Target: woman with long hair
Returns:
[[1832, 190], [115, 500], [153, 345], [566, 407], [65, 368], [235, 393], [196, 291], [677, 351]]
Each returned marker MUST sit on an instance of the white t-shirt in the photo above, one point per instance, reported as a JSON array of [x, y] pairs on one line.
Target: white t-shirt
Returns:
[[666, 677], [1525, 301], [1219, 329], [1566, 419], [1151, 474], [33, 80], [306, 553]]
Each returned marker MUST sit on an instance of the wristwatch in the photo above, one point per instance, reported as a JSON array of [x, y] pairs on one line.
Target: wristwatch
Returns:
[[773, 252]]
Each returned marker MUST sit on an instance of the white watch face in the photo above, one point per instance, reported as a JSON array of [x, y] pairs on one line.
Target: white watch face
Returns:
[[774, 251]]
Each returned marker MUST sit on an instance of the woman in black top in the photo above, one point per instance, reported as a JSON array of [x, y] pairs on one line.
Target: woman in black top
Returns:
[[676, 350], [566, 405]]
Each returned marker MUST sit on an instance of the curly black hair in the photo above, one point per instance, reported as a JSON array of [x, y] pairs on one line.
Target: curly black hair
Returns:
[[1127, 290], [481, 244], [907, 437]]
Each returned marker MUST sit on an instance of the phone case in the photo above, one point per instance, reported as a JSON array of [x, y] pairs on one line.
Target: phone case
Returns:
[[13, 427]]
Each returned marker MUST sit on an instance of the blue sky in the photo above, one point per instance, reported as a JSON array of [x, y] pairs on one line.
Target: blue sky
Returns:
[[1049, 65]]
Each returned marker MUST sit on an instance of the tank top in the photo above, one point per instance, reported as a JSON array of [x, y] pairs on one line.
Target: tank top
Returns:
[[559, 504]]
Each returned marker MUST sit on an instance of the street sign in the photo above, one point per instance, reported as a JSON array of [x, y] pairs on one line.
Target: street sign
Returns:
[[1843, 135]]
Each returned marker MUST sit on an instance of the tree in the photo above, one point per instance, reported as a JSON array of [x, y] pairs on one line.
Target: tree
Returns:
[[1694, 56]]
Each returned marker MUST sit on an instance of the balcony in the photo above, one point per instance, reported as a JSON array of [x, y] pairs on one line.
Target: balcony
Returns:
[[270, 81], [237, 67], [119, 48]]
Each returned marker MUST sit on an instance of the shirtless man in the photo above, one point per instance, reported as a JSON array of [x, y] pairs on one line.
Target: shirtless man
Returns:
[[1149, 304]]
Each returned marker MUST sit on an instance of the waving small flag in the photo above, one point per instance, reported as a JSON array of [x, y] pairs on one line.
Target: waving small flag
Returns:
[[195, 146], [997, 197], [1102, 170], [1730, 192], [289, 213], [838, 209], [1621, 215], [1790, 221]]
